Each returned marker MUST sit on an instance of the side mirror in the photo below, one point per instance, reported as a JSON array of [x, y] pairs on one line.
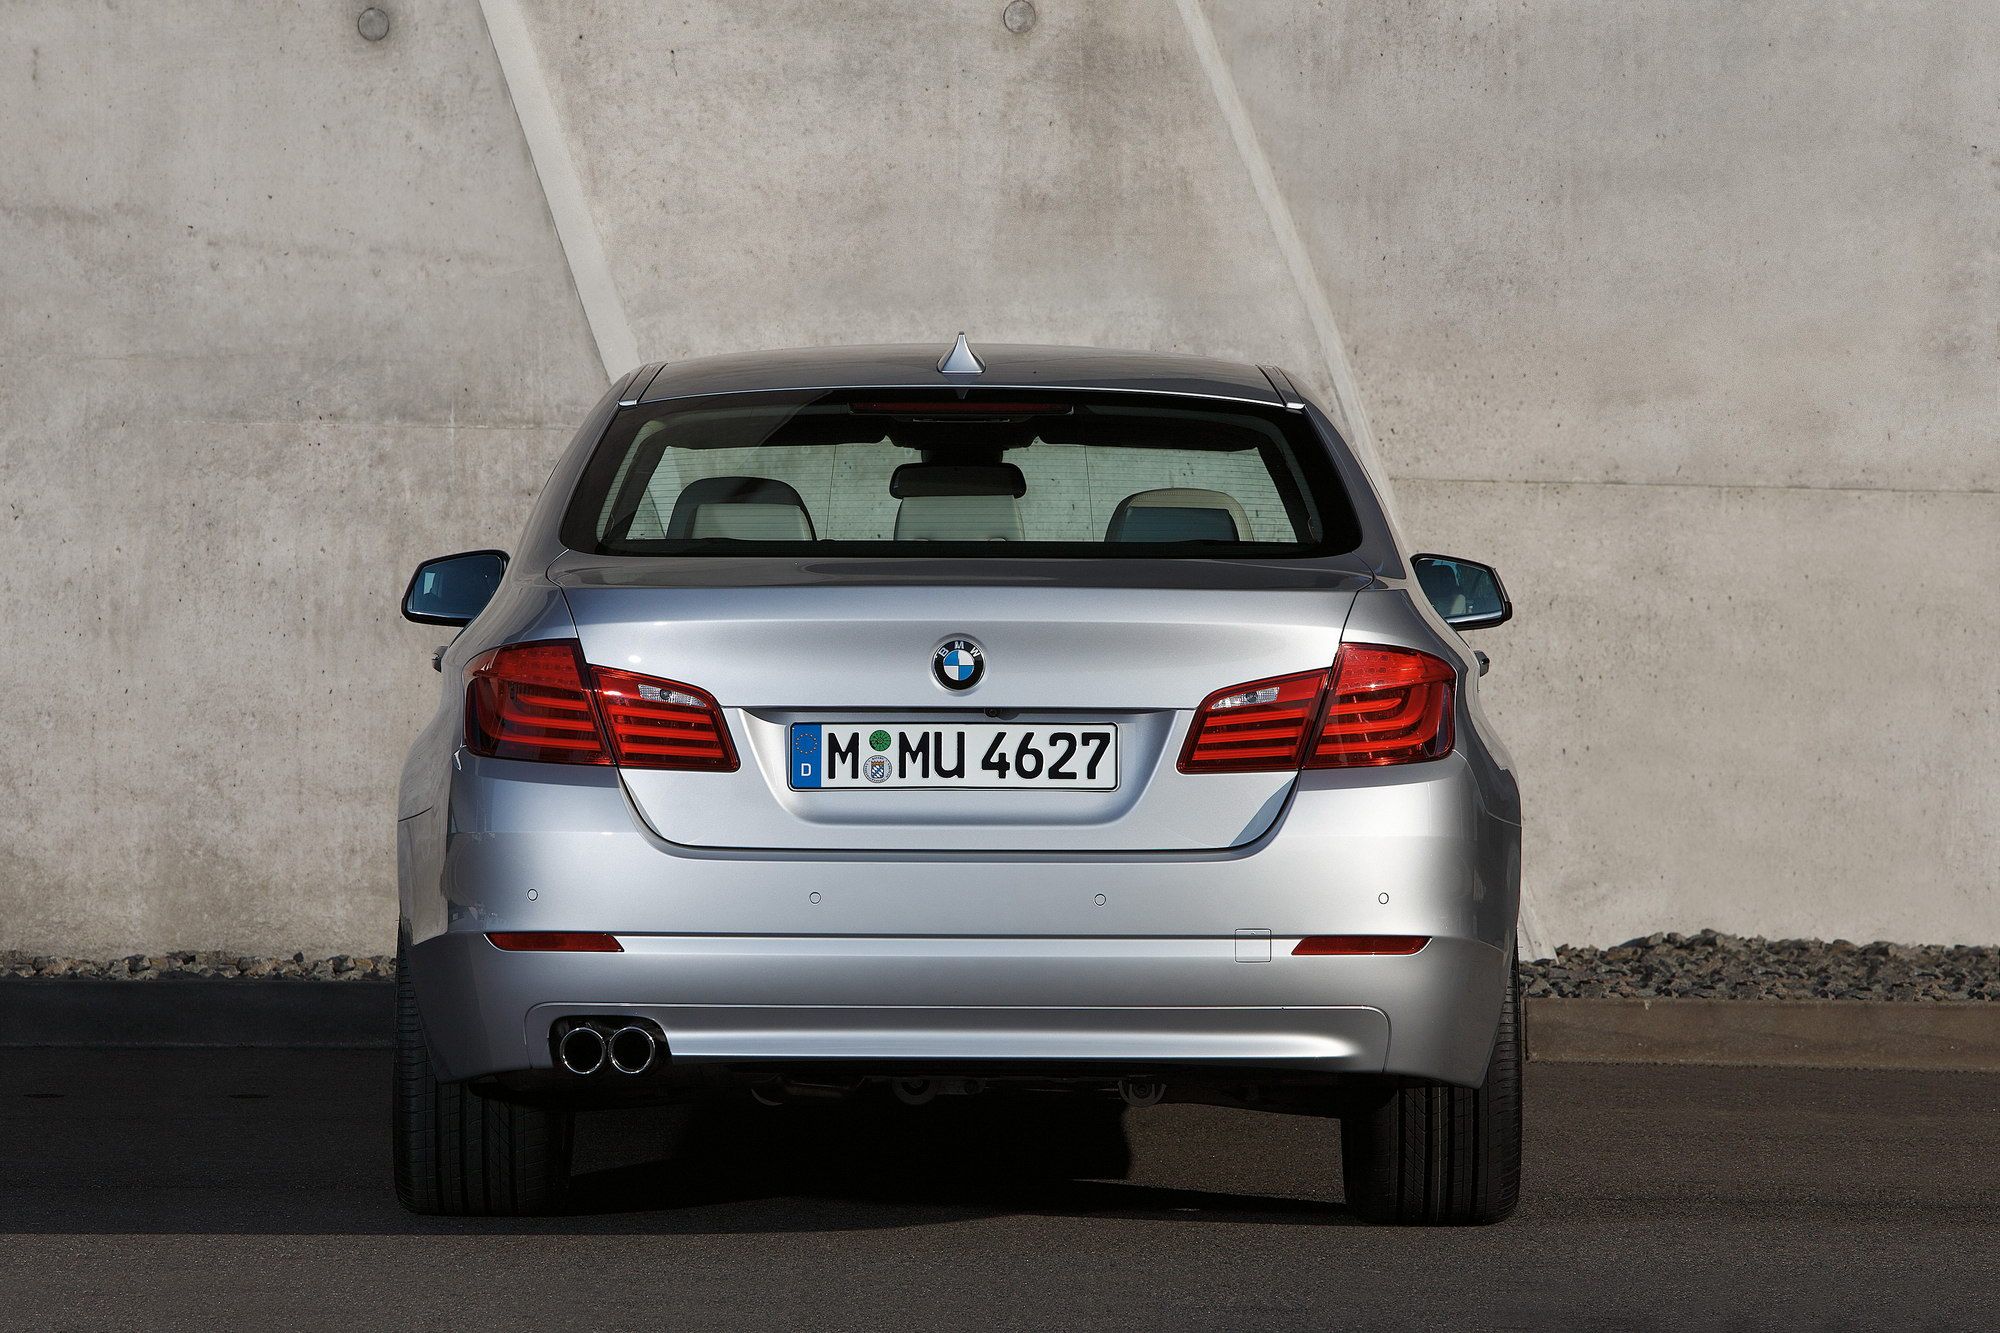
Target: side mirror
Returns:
[[453, 589], [1467, 594]]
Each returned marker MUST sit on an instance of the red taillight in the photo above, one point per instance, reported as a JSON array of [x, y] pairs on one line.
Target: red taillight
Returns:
[[554, 941], [1379, 705], [530, 701], [1253, 728], [1388, 706], [1344, 946], [662, 723]]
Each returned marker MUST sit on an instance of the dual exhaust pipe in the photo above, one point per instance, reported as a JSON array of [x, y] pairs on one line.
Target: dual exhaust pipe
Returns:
[[588, 1049]]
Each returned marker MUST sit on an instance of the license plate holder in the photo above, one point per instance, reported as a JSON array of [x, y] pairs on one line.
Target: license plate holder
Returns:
[[953, 756]]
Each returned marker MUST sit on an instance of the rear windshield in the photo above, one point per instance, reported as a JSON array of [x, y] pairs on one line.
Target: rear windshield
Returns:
[[959, 473]]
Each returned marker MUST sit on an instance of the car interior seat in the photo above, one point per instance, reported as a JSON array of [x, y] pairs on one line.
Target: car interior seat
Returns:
[[756, 509], [1178, 514]]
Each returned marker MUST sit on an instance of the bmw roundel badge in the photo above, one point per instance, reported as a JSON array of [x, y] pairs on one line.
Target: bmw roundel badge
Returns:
[[958, 664]]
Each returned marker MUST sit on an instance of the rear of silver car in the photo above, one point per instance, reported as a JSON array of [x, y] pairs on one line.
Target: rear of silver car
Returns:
[[1163, 776]]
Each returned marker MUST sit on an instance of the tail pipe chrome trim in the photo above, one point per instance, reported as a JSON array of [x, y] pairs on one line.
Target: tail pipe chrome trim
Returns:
[[582, 1050], [632, 1049]]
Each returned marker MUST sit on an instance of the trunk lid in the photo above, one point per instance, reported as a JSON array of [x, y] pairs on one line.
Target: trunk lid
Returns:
[[1133, 643]]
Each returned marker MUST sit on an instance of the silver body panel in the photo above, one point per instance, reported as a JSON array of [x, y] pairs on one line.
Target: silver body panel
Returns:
[[1140, 928], [1120, 655]]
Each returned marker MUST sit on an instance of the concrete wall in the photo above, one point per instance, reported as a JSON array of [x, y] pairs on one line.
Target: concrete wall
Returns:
[[1684, 315], [281, 312]]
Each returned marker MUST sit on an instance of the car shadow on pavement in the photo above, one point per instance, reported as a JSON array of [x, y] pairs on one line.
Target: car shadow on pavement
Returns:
[[731, 1167], [296, 1142]]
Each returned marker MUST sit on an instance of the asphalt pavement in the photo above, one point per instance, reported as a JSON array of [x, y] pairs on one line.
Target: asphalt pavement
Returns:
[[250, 1188]]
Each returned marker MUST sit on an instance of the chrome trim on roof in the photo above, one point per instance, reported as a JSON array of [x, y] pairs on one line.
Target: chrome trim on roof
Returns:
[[1294, 401]]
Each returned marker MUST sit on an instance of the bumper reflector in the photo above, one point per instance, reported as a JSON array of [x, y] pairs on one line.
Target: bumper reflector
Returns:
[[554, 941], [1342, 946]]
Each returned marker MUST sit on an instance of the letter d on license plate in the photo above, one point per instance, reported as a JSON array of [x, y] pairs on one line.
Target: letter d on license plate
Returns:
[[975, 755]]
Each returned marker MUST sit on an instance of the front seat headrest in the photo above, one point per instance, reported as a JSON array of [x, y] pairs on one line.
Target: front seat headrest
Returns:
[[1178, 514], [756, 509]]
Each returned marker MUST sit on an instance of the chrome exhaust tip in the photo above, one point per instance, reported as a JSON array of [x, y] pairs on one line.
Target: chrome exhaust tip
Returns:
[[632, 1050], [582, 1050]]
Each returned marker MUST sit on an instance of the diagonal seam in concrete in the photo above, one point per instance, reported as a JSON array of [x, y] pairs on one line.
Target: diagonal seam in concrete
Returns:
[[1312, 292], [562, 188], [1285, 230]]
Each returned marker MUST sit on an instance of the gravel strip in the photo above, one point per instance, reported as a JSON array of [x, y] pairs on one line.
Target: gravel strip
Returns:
[[209, 965], [1713, 966], [1706, 965]]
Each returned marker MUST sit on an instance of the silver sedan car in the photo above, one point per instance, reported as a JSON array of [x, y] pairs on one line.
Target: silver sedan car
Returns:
[[1057, 728]]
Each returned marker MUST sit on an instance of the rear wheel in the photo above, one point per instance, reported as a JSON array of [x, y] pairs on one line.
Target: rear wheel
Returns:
[[1441, 1155], [458, 1153]]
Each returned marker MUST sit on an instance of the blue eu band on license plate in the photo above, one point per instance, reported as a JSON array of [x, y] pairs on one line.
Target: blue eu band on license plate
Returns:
[[971, 755]]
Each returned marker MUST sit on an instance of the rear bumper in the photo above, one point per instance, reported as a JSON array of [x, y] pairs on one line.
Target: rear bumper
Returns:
[[1121, 958], [1137, 1004]]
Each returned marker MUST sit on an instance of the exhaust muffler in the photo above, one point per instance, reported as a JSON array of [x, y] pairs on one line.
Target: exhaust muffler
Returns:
[[1142, 1091]]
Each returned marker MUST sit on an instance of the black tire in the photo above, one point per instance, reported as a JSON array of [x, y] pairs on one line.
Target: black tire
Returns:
[[1441, 1155], [460, 1154]]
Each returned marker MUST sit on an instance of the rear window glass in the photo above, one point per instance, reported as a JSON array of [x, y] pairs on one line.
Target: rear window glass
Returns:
[[917, 472]]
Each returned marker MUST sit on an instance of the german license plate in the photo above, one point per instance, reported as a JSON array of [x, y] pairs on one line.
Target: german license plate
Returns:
[[971, 755]]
